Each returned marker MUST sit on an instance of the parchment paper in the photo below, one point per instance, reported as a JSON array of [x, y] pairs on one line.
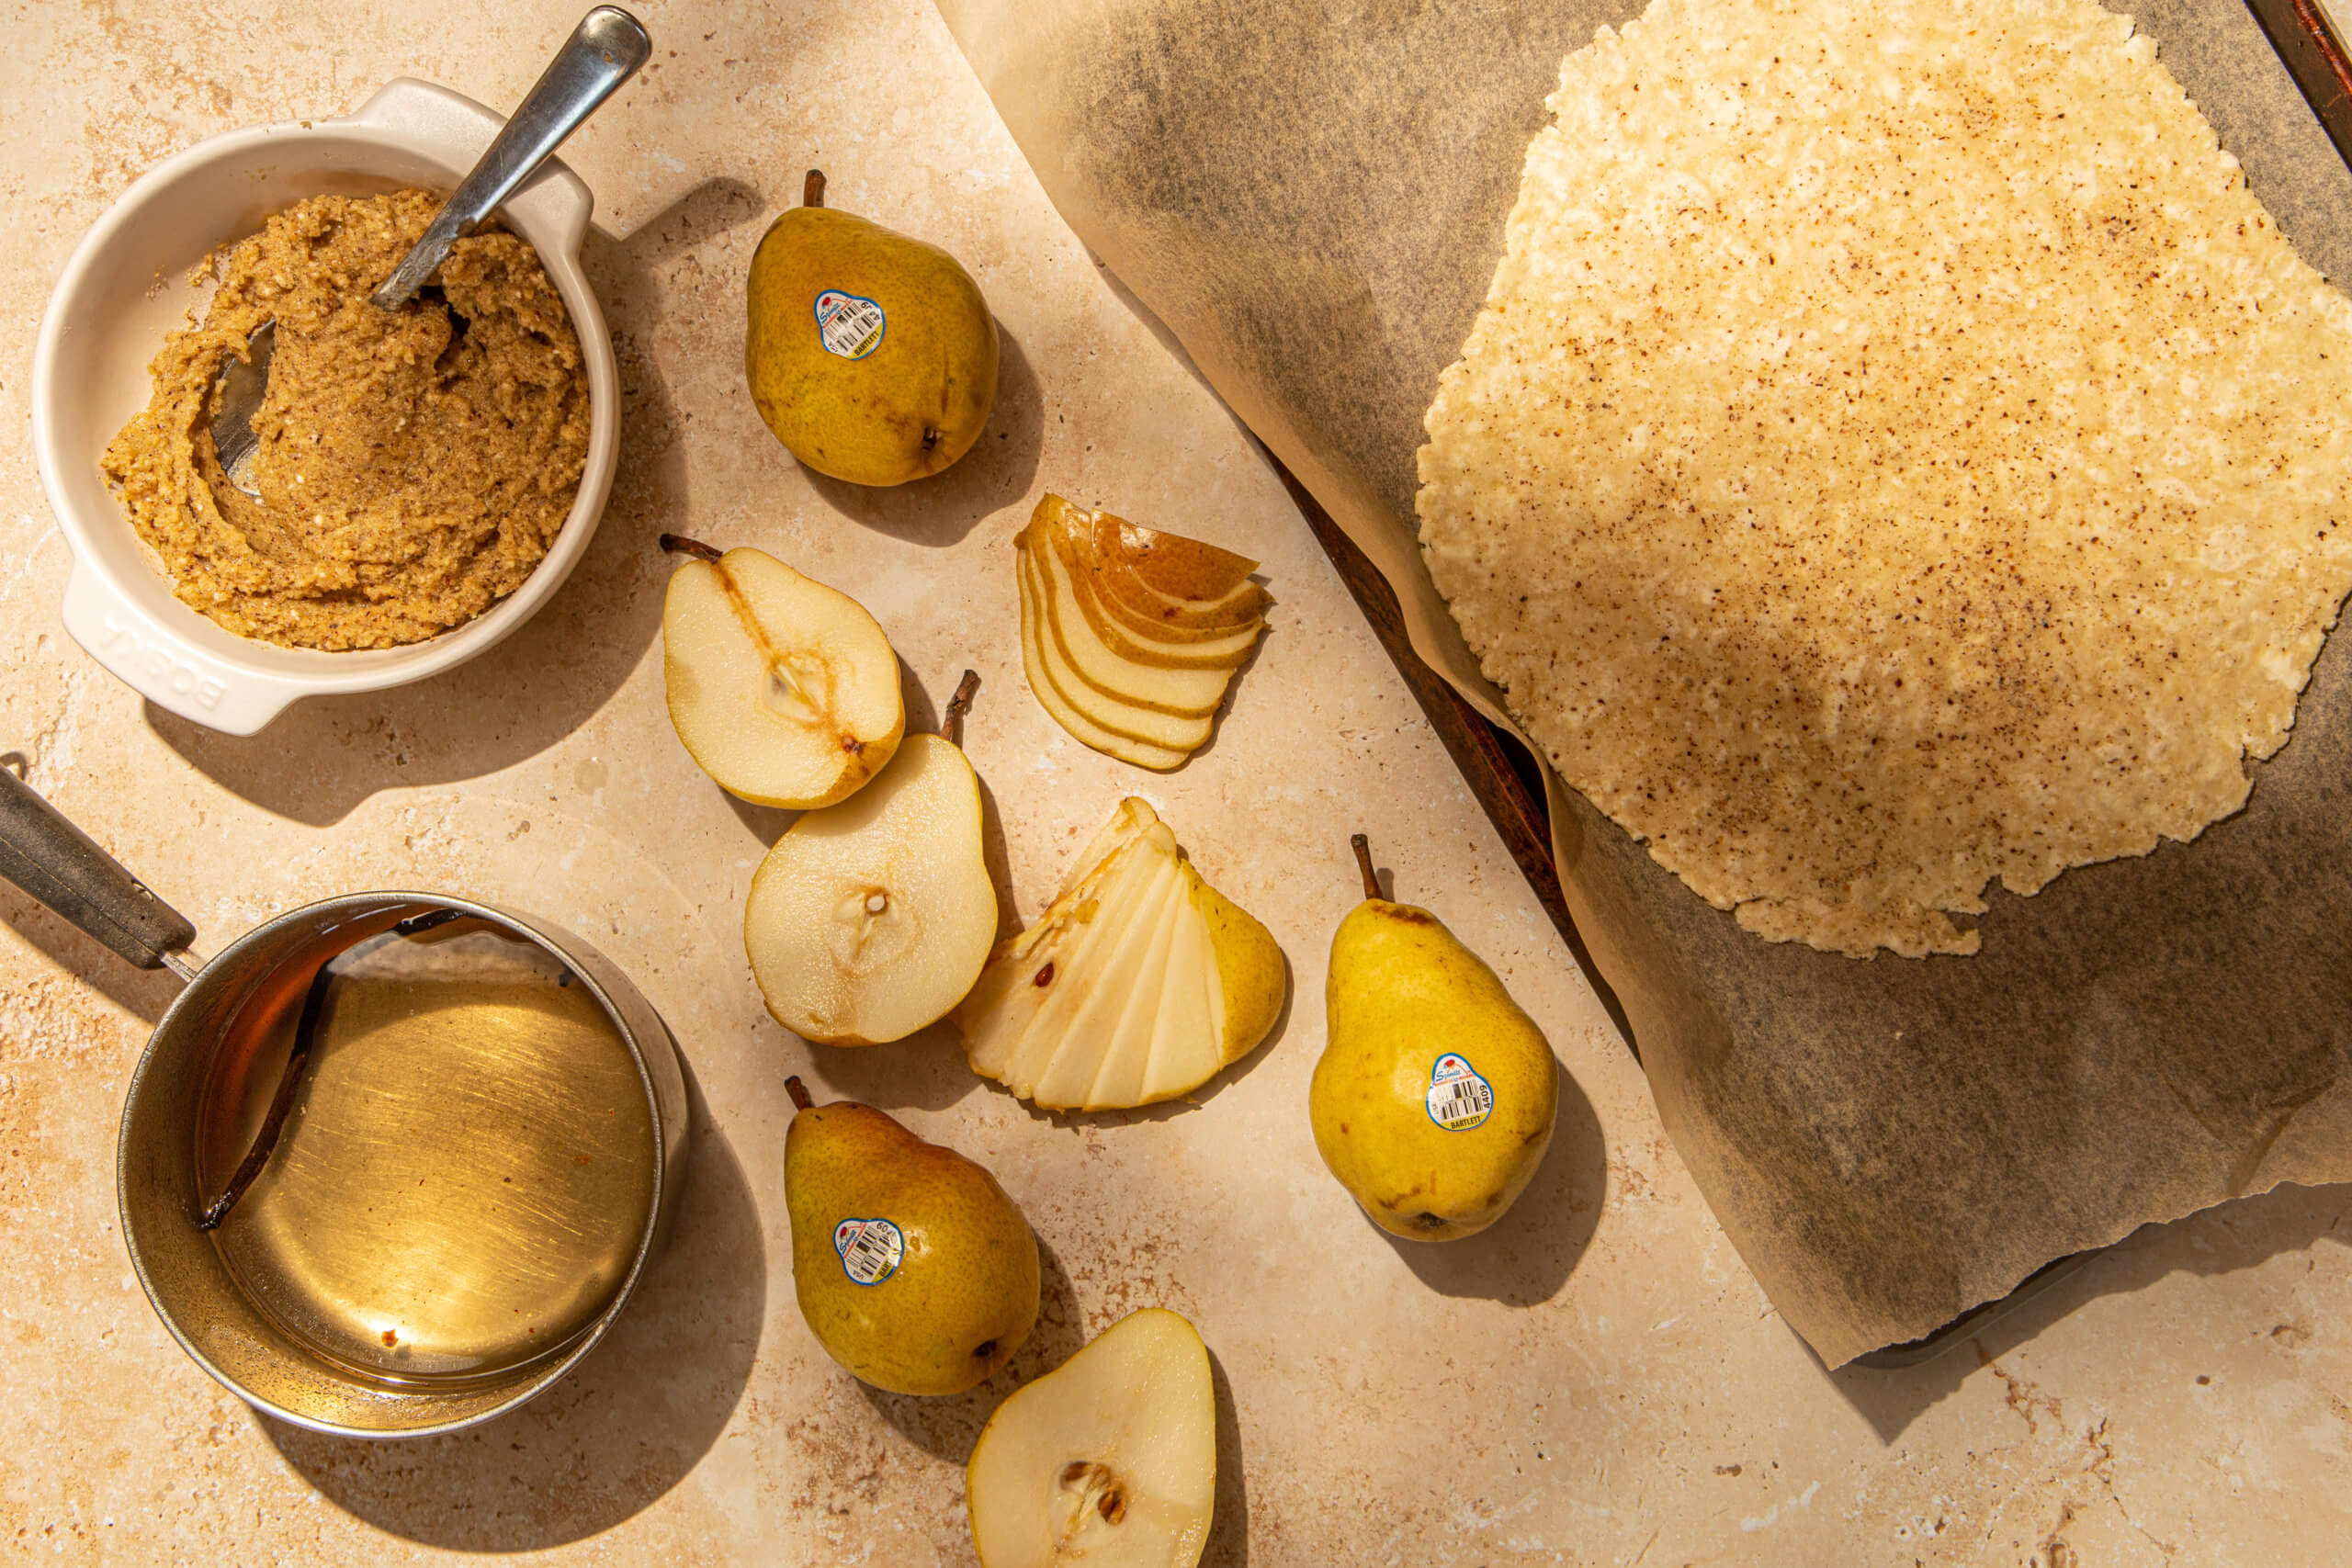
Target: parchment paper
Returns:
[[1311, 195]]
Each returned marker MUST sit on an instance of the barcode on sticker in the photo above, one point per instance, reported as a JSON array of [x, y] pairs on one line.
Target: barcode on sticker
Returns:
[[870, 1250], [1458, 1098], [848, 324]]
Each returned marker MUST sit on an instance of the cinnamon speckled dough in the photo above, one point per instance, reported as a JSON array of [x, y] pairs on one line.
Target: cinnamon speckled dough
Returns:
[[1898, 452], [410, 474]]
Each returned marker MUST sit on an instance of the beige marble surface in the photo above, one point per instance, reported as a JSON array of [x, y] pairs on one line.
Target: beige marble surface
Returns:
[[1600, 1382]]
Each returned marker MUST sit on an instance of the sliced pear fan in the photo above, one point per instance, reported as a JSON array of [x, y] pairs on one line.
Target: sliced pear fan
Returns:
[[1168, 580], [1131, 636], [1138, 984], [1176, 732], [1197, 648]]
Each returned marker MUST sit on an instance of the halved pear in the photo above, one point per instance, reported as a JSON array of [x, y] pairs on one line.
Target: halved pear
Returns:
[[784, 690], [871, 918], [1138, 984], [1110, 1460]]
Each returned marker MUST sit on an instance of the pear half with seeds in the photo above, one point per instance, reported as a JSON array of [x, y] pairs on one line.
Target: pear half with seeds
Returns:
[[1141, 982], [871, 918], [784, 690], [1110, 1460]]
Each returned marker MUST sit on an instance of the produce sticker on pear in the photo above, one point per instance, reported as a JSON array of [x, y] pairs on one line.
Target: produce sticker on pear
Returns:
[[848, 324], [1458, 1098], [870, 1250]]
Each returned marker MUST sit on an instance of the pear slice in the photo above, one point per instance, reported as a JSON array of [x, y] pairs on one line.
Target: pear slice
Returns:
[[1122, 551], [1114, 920], [1138, 984], [872, 918], [1118, 1010], [1085, 731], [1165, 1023], [1174, 648], [1171, 564], [1109, 1461], [1102, 713], [1212, 590], [1018, 982], [1182, 693], [784, 690]]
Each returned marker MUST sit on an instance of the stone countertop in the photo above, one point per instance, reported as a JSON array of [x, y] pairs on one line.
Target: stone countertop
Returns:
[[1599, 1380]]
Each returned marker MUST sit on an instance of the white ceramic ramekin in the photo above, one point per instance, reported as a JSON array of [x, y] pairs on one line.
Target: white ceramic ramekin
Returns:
[[127, 286]]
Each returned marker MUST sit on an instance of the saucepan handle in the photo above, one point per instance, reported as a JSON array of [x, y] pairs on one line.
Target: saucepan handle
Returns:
[[56, 864]]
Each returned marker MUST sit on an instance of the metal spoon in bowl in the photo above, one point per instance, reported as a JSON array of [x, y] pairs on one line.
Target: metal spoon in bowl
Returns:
[[604, 51]]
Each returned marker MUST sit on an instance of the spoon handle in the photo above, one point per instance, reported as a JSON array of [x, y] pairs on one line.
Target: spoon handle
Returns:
[[604, 51]]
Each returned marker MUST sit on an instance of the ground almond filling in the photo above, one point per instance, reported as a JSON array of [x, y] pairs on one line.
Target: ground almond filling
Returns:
[[414, 466]]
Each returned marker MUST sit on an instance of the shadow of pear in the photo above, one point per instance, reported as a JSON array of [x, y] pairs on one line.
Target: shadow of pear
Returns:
[[926, 1071], [994, 474], [1228, 1542], [1525, 1257], [626, 1426], [947, 1426]]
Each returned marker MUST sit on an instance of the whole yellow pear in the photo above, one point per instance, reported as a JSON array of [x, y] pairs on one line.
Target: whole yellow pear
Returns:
[[912, 1266], [870, 354], [1434, 1098]]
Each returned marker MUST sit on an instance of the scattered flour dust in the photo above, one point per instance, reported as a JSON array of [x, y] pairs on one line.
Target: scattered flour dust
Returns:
[[1898, 451]]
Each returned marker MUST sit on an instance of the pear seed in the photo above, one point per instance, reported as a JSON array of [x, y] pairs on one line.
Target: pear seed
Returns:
[[875, 903]]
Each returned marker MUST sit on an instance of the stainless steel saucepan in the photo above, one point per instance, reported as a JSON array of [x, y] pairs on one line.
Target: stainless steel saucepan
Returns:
[[436, 1143]]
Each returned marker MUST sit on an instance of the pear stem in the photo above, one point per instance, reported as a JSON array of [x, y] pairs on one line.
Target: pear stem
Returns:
[[678, 544], [1363, 847], [799, 1092], [812, 189], [958, 705]]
